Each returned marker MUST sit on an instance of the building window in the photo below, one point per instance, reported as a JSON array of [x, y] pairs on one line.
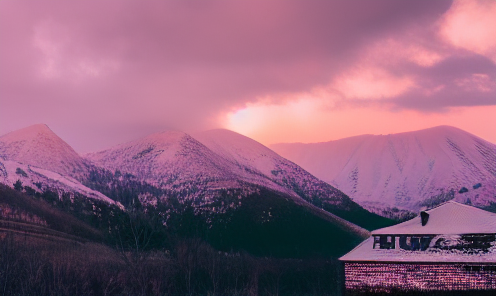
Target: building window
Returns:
[[386, 242], [425, 241], [415, 243], [377, 243]]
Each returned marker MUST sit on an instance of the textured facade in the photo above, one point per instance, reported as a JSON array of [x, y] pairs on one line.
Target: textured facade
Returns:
[[362, 277]]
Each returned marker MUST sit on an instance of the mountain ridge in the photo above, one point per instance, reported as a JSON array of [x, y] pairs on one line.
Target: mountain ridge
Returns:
[[206, 165], [403, 170], [39, 146]]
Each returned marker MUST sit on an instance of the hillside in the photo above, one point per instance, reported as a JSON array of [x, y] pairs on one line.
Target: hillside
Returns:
[[20, 212]]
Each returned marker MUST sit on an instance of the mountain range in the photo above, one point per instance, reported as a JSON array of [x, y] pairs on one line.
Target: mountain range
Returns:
[[245, 195], [405, 171], [217, 160]]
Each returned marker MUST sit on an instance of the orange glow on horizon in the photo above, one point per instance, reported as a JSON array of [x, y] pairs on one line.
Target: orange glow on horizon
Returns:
[[310, 121]]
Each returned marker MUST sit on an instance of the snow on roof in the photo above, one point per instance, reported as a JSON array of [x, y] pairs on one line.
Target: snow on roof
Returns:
[[448, 218], [366, 253]]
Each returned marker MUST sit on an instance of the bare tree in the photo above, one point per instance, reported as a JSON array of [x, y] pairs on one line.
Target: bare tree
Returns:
[[134, 239]]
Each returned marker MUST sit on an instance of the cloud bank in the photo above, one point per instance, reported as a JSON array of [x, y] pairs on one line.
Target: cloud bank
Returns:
[[100, 73]]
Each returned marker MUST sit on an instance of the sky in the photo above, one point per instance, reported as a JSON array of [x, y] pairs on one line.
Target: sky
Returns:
[[100, 73]]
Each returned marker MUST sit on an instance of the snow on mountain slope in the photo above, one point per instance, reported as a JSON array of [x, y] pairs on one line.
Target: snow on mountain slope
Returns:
[[219, 160], [254, 157], [176, 162], [239, 150], [403, 170], [37, 145], [37, 157], [40, 179], [160, 158], [222, 172]]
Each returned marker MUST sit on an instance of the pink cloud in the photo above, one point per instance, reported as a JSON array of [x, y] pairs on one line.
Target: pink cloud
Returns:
[[393, 51], [471, 25], [371, 83], [60, 60], [479, 82]]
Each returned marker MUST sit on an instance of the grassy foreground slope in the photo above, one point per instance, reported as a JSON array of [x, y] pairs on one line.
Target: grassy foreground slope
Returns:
[[22, 212]]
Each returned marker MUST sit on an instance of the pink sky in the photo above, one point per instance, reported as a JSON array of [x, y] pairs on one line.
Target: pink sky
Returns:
[[102, 73]]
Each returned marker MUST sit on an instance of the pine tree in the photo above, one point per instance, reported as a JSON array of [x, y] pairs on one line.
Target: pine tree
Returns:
[[18, 185]]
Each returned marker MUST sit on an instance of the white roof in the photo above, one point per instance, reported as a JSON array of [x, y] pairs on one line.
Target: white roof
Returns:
[[448, 218], [366, 253]]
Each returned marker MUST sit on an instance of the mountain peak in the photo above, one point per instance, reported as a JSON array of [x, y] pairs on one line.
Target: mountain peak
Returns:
[[167, 136], [38, 145], [39, 126], [221, 134], [29, 132], [230, 140], [444, 128], [436, 131]]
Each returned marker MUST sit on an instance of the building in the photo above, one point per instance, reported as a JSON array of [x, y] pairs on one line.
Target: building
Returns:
[[448, 249]]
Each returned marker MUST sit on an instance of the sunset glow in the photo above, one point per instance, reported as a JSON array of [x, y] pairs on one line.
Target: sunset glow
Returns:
[[277, 71], [272, 124]]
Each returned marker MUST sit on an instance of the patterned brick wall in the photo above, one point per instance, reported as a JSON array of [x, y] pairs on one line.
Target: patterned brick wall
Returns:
[[384, 277]]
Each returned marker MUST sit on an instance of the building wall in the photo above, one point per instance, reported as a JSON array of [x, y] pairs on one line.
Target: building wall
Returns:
[[387, 277]]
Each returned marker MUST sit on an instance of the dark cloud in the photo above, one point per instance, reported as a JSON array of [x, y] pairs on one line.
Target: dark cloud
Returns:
[[468, 80]]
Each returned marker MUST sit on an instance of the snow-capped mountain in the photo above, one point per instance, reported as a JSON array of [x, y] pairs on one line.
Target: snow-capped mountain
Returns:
[[220, 165], [219, 159], [219, 185], [174, 162], [41, 160], [406, 170], [39, 146], [213, 171]]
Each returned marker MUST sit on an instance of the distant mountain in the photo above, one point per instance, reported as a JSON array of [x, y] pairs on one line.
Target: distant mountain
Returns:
[[408, 170]]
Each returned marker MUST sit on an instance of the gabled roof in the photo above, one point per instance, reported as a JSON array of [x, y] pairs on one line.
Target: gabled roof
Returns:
[[448, 218]]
